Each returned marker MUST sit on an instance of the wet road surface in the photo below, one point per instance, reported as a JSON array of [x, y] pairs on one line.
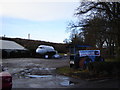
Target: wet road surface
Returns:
[[40, 73]]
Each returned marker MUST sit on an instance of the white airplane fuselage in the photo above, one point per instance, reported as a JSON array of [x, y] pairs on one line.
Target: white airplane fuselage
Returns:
[[43, 49]]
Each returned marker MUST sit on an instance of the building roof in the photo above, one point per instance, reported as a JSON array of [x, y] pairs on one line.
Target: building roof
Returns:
[[5, 44]]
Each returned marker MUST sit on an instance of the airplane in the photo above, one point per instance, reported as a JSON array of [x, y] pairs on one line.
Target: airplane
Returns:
[[46, 51]]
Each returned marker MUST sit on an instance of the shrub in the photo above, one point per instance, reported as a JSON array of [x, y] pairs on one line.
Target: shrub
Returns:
[[109, 68]]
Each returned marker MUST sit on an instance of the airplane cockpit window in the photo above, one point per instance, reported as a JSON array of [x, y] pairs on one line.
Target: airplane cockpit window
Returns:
[[41, 47]]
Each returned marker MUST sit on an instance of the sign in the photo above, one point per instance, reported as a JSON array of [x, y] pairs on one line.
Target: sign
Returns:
[[83, 53]]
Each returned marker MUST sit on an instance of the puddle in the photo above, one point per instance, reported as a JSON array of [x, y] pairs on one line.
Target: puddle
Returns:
[[47, 68], [48, 73], [39, 76], [35, 72], [67, 83]]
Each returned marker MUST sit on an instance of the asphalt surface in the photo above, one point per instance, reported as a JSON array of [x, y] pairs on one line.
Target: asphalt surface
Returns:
[[40, 73]]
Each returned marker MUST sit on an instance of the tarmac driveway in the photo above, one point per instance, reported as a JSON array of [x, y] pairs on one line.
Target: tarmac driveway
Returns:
[[40, 73], [37, 73]]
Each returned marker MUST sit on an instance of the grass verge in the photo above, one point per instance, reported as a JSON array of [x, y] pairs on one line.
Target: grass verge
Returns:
[[75, 73], [84, 74]]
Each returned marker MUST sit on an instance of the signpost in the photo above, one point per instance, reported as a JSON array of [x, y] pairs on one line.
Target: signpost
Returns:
[[84, 53]]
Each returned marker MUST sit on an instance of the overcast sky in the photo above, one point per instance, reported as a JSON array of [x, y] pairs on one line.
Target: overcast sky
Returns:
[[44, 20]]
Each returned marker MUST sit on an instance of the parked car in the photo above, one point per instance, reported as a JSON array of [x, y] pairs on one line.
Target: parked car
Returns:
[[5, 79]]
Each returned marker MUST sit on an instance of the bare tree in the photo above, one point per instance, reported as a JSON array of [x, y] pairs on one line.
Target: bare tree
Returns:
[[103, 23]]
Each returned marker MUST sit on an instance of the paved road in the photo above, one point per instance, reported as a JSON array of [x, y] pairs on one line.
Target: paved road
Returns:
[[40, 73]]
